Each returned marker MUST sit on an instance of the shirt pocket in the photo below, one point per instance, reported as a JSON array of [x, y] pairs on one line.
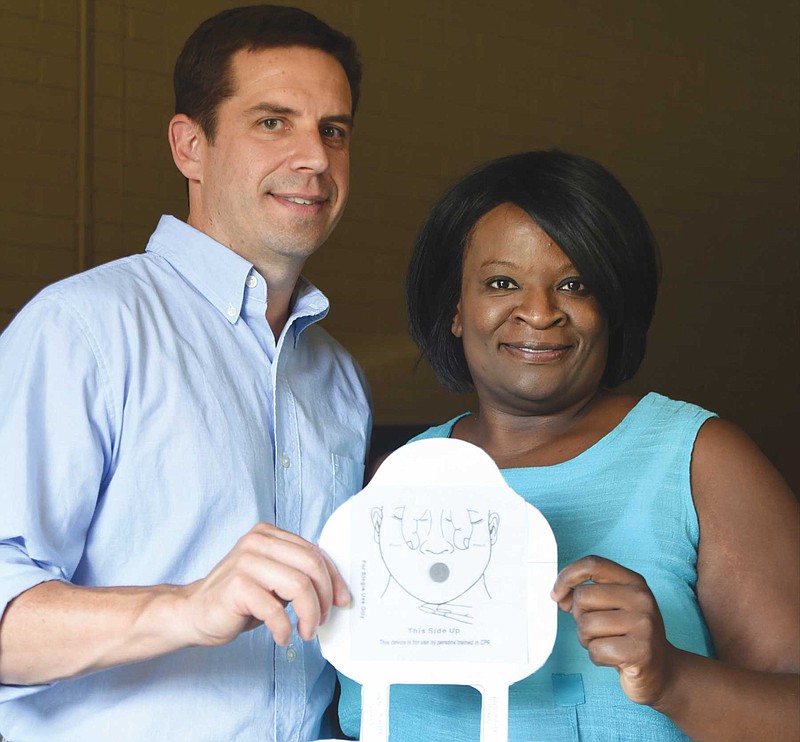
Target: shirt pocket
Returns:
[[348, 478]]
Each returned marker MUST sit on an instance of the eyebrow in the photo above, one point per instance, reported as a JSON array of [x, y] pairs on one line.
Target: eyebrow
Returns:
[[275, 108], [498, 263], [491, 263]]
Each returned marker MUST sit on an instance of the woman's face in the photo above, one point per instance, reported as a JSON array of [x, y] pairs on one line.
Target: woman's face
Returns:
[[534, 337]]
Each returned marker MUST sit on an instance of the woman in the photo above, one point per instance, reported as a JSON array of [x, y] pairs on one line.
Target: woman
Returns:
[[534, 281]]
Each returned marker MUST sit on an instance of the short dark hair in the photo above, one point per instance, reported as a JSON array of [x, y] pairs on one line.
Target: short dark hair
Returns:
[[583, 208], [202, 76]]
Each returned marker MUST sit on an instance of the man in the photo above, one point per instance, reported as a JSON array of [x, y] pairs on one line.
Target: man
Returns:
[[154, 409]]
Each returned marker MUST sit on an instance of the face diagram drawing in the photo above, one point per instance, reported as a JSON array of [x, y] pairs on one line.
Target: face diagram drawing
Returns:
[[437, 555], [440, 594]]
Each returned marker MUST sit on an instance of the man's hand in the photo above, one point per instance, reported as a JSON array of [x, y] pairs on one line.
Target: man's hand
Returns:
[[267, 569], [56, 630]]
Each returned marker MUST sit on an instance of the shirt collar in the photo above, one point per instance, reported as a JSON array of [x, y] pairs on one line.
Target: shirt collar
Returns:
[[220, 274], [310, 305]]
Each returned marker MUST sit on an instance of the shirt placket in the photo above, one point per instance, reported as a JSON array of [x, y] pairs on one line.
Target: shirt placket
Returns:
[[290, 692]]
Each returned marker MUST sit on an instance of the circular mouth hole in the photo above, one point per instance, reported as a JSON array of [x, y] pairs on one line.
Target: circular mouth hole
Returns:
[[439, 572]]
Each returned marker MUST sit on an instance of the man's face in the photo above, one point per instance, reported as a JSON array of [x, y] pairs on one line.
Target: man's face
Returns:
[[274, 182]]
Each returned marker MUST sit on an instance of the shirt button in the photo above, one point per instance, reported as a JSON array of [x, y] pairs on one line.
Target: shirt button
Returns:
[[291, 654], [251, 282], [285, 461], [231, 310]]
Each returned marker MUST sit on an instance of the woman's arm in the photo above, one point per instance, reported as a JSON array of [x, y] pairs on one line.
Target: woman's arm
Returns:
[[749, 590], [748, 586]]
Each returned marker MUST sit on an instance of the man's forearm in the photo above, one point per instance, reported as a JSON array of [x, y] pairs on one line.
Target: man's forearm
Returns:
[[56, 630]]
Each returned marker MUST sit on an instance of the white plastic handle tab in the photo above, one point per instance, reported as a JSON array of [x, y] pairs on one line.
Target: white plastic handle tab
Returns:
[[494, 714], [450, 572], [374, 712]]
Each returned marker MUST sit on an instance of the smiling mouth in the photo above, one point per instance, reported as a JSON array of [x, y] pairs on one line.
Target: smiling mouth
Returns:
[[537, 352], [300, 200], [303, 201]]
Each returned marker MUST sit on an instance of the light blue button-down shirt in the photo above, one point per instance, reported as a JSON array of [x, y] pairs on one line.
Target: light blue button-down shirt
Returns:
[[148, 419]]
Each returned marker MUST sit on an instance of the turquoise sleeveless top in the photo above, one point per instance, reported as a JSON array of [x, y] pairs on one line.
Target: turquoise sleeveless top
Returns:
[[627, 498]]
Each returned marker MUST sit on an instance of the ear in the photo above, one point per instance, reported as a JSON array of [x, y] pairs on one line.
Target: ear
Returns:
[[376, 514], [455, 327], [494, 524], [186, 140]]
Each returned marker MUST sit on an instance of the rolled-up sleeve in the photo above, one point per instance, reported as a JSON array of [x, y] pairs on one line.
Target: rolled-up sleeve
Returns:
[[55, 446]]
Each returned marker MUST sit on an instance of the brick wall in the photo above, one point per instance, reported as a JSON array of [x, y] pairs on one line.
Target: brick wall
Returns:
[[38, 111], [694, 105]]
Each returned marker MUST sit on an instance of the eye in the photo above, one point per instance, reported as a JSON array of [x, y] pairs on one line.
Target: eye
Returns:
[[271, 124], [501, 283], [333, 132], [336, 137], [573, 286]]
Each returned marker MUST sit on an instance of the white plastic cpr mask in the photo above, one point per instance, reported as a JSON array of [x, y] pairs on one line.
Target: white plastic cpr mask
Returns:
[[450, 573]]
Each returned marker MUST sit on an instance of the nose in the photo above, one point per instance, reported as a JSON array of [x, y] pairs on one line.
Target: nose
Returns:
[[539, 308], [310, 153], [436, 542]]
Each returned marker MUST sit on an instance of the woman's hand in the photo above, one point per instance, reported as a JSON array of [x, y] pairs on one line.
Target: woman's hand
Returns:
[[619, 623]]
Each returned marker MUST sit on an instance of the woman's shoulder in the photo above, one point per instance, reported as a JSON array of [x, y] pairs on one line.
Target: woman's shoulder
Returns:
[[726, 460], [444, 430], [659, 405], [653, 417]]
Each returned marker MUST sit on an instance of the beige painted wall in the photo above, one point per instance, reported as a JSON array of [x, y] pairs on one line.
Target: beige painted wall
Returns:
[[695, 105]]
